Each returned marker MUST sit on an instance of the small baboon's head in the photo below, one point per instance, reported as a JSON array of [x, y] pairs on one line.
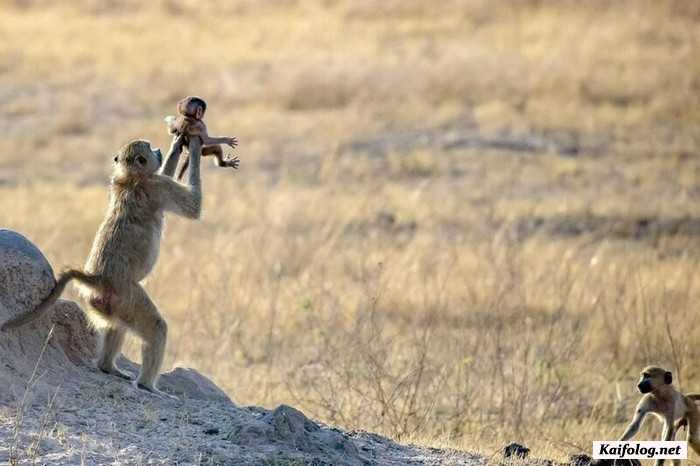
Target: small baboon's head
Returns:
[[193, 107], [653, 377], [137, 159]]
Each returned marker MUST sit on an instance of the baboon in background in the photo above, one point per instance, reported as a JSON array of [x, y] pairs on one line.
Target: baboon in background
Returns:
[[668, 405], [124, 252]]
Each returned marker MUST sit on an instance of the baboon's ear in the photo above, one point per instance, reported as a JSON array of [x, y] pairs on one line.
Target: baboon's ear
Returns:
[[668, 378]]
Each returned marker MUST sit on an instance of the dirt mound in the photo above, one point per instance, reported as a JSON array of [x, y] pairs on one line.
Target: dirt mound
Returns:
[[55, 408]]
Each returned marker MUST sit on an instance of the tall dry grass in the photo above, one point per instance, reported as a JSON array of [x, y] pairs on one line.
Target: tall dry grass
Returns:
[[357, 266]]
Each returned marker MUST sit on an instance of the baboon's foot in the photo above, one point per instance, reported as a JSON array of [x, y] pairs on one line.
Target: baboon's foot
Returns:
[[232, 162], [153, 390], [114, 370]]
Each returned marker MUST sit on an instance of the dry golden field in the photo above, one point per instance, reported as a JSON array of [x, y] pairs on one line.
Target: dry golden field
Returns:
[[456, 223]]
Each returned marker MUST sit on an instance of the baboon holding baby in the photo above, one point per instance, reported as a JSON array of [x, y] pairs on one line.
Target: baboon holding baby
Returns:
[[125, 251]]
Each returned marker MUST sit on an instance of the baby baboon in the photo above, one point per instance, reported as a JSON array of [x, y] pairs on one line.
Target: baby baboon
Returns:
[[668, 405], [189, 123], [123, 253]]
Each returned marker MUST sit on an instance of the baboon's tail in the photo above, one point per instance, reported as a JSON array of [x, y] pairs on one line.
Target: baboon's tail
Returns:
[[93, 281]]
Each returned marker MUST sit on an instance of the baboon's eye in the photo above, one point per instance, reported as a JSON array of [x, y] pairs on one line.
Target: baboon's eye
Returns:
[[116, 158], [141, 159]]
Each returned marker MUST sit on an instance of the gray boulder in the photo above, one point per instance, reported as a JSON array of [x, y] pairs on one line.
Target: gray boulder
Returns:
[[26, 277]]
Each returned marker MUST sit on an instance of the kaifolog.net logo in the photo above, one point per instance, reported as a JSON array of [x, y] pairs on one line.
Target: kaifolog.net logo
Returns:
[[674, 450]]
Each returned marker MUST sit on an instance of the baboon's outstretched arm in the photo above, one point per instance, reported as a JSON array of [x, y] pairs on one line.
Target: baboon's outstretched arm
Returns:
[[185, 200], [172, 157]]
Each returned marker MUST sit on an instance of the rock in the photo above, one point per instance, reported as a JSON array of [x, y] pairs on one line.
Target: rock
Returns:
[[192, 384], [26, 277], [288, 422], [515, 450], [580, 460], [57, 341], [585, 460], [616, 462], [72, 333]]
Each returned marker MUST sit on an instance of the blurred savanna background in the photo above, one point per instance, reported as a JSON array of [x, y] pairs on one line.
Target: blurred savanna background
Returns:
[[456, 223]]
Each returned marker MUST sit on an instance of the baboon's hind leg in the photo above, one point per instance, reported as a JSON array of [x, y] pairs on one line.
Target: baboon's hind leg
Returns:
[[111, 341], [145, 320], [693, 442], [693, 435]]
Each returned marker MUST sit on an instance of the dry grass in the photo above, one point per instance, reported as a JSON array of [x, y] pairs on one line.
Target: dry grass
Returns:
[[356, 266]]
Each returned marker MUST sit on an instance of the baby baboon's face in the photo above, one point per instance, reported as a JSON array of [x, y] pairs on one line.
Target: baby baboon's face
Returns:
[[653, 377], [137, 158], [196, 110]]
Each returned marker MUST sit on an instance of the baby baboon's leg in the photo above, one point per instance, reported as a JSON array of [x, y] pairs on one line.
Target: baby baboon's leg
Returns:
[[145, 320], [217, 152], [219, 159], [214, 150], [111, 341]]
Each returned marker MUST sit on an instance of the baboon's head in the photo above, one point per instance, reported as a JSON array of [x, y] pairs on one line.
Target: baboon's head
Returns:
[[193, 107], [137, 159], [653, 377]]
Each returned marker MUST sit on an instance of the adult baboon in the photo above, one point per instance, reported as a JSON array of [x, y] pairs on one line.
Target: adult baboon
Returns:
[[124, 252], [667, 404]]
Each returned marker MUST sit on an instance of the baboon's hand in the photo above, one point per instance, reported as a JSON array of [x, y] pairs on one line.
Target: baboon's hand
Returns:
[[233, 162], [233, 142]]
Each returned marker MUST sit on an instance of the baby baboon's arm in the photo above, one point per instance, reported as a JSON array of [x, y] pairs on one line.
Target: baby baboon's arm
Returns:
[[211, 140], [200, 129], [185, 200], [173, 156]]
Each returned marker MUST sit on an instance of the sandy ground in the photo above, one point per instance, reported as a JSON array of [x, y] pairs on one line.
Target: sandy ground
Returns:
[[55, 408]]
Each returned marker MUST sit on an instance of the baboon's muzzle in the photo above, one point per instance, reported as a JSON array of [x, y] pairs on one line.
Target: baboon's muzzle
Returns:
[[644, 387]]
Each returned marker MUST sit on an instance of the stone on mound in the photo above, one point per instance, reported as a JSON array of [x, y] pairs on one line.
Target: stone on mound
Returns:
[[26, 277]]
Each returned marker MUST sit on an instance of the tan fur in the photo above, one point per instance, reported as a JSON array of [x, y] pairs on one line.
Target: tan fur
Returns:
[[668, 405], [125, 251], [189, 124]]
